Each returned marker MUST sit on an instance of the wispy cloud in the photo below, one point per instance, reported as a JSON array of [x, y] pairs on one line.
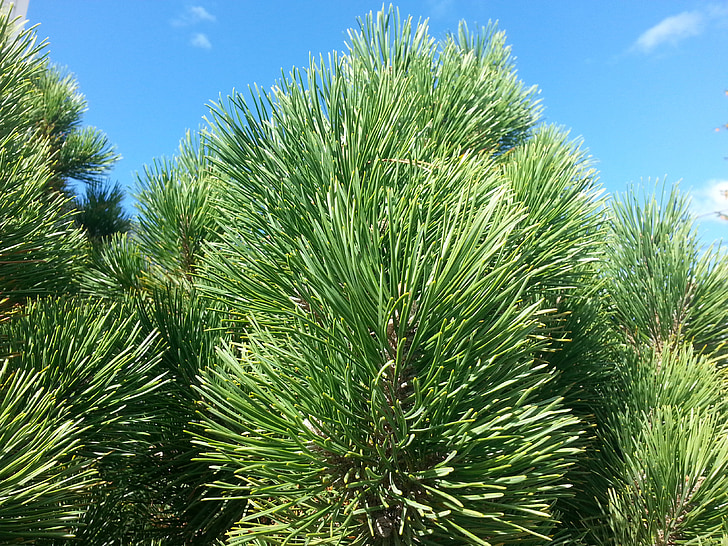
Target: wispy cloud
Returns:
[[676, 28], [711, 200], [671, 30], [200, 40], [192, 16], [198, 13]]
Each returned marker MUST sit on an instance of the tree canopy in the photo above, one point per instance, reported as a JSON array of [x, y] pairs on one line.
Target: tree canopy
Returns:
[[382, 303]]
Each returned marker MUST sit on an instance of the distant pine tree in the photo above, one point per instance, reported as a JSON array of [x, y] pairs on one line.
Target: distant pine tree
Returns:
[[101, 213]]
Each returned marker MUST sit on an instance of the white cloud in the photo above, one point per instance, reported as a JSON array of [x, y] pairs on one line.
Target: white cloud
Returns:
[[710, 200], [200, 40], [198, 13], [671, 30], [193, 15]]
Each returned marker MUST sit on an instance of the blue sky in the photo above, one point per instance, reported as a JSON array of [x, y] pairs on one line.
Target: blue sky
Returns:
[[642, 83]]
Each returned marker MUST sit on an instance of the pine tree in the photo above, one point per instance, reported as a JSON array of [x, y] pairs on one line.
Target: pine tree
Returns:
[[445, 336], [381, 304], [40, 250], [400, 242], [75, 375]]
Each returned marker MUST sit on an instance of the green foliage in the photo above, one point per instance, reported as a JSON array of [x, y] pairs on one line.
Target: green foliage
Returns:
[[92, 357], [42, 480], [40, 250], [101, 213], [20, 58], [380, 304], [674, 478], [57, 107], [388, 389], [176, 209], [174, 476], [76, 153], [76, 381], [663, 430], [166, 243], [654, 251], [117, 269], [42, 147]]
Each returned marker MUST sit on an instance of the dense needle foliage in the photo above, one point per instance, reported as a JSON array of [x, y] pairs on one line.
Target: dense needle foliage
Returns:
[[382, 303]]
